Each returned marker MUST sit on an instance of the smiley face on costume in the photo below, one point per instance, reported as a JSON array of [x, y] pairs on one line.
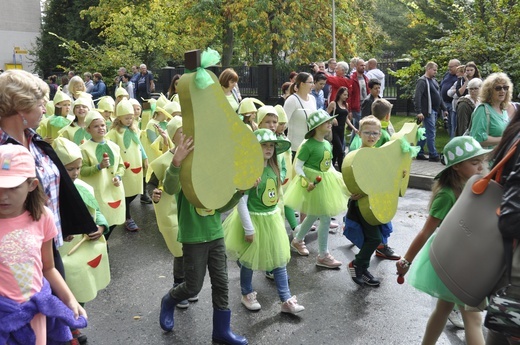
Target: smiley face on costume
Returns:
[[270, 195], [204, 212], [326, 162]]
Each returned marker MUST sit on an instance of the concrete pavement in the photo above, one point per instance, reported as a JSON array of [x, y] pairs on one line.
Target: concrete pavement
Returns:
[[337, 310]]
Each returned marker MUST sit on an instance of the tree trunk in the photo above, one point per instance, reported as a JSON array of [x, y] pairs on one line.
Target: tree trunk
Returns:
[[228, 41]]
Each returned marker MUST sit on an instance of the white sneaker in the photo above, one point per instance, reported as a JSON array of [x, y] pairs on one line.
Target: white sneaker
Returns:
[[456, 319], [291, 306], [250, 302]]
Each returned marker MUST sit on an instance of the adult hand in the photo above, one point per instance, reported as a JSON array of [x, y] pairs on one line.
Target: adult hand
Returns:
[[420, 117], [96, 234]]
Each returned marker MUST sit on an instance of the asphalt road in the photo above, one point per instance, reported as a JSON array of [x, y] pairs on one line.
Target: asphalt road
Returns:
[[337, 311]]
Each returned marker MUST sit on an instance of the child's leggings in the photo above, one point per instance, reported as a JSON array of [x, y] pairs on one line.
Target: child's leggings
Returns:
[[280, 279], [323, 231]]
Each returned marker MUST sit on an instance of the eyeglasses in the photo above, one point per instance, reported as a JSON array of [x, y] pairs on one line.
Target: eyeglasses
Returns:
[[371, 134], [501, 87]]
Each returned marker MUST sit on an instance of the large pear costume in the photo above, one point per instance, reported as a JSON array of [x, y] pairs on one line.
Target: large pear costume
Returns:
[[111, 199], [131, 151]]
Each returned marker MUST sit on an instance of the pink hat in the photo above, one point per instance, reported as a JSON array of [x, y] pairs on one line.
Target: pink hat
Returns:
[[16, 165]]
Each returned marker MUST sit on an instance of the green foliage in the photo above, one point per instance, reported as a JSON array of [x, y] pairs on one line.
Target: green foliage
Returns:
[[485, 31]]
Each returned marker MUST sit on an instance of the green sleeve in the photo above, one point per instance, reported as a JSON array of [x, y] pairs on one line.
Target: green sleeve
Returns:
[[442, 203], [87, 169], [101, 221], [172, 182], [479, 124], [232, 203]]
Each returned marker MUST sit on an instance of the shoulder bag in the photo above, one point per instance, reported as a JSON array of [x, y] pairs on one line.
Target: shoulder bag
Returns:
[[468, 251]]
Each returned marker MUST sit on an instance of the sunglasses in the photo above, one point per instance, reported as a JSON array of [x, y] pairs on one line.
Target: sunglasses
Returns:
[[499, 87]]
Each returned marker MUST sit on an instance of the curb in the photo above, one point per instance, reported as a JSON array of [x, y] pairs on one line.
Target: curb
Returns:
[[420, 182]]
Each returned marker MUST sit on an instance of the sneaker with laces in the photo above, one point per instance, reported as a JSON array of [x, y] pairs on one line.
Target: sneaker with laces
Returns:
[[300, 247], [250, 302], [131, 226], [291, 306], [385, 252], [456, 319], [193, 299], [269, 275], [356, 273], [327, 261], [182, 304], [369, 278]]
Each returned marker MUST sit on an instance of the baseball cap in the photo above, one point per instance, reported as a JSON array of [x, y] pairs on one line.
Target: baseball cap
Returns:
[[16, 165]]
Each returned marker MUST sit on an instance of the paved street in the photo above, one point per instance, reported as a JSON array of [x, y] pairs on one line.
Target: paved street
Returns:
[[337, 311]]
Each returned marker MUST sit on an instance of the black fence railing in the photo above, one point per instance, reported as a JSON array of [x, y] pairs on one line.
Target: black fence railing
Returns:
[[264, 82]]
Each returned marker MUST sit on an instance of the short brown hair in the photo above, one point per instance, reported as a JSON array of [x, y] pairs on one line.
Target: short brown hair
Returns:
[[228, 75], [380, 108]]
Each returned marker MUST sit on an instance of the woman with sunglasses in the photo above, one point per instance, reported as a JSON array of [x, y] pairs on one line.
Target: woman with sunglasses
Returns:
[[490, 118]]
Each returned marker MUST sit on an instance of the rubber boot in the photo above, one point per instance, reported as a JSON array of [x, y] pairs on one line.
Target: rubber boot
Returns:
[[167, 308], [222, 331]]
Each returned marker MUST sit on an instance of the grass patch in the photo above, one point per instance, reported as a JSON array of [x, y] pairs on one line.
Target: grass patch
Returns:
[[441, 138]]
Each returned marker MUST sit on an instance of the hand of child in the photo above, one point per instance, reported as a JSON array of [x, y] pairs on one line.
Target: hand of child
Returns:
[[183, 150], [162, 133], [402, 267], [310, 187], [404, 173], [116, 181], [257, 182], [105, 162], [96, 234], [250, 238], [356, 196], [145, 163], [68, 238], [156, 195], [77, 309]]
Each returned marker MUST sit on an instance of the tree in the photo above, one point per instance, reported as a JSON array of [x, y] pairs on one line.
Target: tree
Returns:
[[62, 16]]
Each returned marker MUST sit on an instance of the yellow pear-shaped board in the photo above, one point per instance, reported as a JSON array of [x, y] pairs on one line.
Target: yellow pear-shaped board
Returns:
[[381, 175], [226, 154]]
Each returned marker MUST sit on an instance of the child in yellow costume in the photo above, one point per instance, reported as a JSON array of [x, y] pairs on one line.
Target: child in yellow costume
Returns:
[[49, 129], [165, 205], [151, 134], [106, 107], [247, 111], [137, 111], [121, 94], [76, 132], [85, 258], [125, 134], [103, 168]]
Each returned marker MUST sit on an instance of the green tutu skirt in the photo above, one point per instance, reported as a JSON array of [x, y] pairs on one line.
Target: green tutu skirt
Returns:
[[270, 248], [329, 198], [423, 277]]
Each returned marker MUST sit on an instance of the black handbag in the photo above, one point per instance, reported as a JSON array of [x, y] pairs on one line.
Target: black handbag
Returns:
[[503, 311]]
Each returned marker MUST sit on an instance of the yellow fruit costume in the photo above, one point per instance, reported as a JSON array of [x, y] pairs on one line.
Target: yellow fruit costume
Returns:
[[166, 208], [132, 153], [111, 199], [75, 132], [106, 106], [85, 260]]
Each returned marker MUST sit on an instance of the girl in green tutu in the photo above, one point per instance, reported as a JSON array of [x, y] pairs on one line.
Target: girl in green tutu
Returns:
[[464, 157], [255, 231]]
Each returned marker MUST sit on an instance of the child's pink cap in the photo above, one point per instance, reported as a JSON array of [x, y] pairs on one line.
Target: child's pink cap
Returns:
[[16, 165]]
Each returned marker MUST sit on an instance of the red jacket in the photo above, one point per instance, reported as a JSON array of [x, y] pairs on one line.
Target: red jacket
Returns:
[[337, 82], [354, 98]]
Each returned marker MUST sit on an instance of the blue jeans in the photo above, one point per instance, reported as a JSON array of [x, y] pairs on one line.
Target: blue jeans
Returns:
[[452, 119], [323, 232], [280, 279], [356, 117], [429, 125]]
